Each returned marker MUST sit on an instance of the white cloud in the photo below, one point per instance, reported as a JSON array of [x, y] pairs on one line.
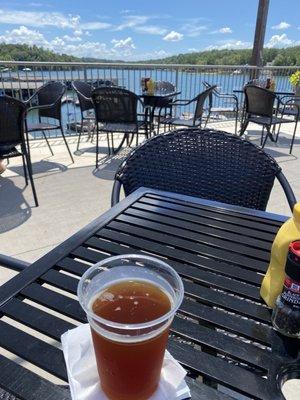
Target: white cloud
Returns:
[[24, 35], [229, 45], [280, 41], [150, 29], [73, 45], [38, 19], [225, 29], [125, 45], [68, 38], [97, 25], [132, 21], [173, 36], [282, 25], [193, 28]]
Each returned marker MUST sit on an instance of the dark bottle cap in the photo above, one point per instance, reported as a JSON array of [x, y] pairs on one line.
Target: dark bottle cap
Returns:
[[292, 266]]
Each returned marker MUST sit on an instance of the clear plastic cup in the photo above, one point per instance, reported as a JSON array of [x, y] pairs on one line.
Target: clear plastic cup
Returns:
[[129, 356]]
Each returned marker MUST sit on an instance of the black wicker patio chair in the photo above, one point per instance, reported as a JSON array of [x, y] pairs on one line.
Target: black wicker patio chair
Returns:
[[84, 93], [12, 138], [204, 163], [289, 107], [259, 109], [116, 112], [230, 104], [196, 119], [48, 98]]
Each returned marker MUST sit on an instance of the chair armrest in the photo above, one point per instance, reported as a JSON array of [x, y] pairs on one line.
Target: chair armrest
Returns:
[[181, 102], [13, 263], [44, 107], [287, 189], [115, 195]]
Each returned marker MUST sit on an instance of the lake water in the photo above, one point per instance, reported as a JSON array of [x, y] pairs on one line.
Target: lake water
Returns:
[[189, 83]]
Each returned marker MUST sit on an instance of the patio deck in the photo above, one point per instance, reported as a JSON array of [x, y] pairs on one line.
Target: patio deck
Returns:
[[71, 195]]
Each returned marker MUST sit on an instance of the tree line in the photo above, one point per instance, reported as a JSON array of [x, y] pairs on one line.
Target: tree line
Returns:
[[289, 56]]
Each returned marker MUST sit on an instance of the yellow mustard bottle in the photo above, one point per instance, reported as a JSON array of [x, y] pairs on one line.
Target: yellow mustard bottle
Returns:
[[151, 86], [272, 283]]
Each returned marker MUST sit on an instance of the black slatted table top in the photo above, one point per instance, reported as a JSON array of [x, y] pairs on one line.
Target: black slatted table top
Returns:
[[222, 333]]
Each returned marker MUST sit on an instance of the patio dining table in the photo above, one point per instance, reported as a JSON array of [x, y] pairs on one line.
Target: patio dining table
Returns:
[[157, 99], [222, 334]]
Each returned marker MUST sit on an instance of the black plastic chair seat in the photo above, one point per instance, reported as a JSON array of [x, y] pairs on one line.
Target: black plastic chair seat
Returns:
[[119, 127], [268, 120], [41, 126], [9, 152], [223, 109], [181, 122]]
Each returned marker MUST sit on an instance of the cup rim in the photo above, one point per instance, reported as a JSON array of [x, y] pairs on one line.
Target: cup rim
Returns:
[[142, 325]]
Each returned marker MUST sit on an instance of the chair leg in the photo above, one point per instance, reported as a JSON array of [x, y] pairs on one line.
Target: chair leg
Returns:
[[79, 136], [66, 143], [236, 122], [277, 135], [262, 135], [108, 144], [268, 134], [207, 118], [244, 127], [24, 168], [48, 144], [97, 147], [112, 142], [293, 137], [29, 168]]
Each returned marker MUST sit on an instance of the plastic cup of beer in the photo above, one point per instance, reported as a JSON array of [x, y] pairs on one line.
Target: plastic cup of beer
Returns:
[[130, 302]]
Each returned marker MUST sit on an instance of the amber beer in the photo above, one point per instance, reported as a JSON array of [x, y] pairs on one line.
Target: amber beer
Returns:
[[130, 302]]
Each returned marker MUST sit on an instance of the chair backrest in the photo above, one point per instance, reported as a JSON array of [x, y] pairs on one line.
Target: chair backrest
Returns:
[[114, 104], [205, 163], [84, 94], [164, 86], [51, 93], [200, 101], [11, 121], [259, 101]]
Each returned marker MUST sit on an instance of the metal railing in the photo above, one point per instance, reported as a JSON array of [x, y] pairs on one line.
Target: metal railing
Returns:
[[20, 79]]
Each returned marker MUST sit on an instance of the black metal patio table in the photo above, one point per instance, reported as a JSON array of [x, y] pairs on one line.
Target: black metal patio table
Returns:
[[222, 333], [156, 100]]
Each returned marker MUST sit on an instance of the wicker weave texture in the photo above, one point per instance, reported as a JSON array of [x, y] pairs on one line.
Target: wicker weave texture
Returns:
[[51, 93], [113, 104], [6, 396], [259, 101], [204, 163], [11, 120], [84, 93]]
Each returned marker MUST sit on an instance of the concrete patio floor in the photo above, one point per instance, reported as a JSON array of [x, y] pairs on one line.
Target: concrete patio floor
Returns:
[[72, 195]]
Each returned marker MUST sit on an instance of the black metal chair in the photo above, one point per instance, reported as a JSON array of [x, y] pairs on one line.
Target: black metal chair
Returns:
[[48, 98], [84, 94], [205, 163], [197, 118], [230, 104], [12, 116], [116, 112], [289, 107], [259, 109]]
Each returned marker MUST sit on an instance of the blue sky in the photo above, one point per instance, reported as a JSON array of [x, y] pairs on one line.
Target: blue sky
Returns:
[[136, 30]]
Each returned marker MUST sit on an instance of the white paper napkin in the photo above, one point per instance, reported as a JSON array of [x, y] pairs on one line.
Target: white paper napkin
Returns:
[[83, 376]]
